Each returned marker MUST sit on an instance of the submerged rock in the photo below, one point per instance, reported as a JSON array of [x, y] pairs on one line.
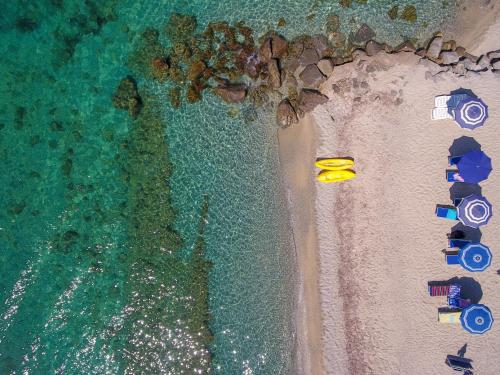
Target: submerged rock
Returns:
[[434, 48], [310, 99], [311, 76], [364, 34], [232, 93], [409, 14], [285, 114], [265, 51], [127, 97], [180, 27], [393, 12]]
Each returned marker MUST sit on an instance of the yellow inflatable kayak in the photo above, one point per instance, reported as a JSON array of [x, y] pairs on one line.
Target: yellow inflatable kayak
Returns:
[[335, 164], [335, 176]]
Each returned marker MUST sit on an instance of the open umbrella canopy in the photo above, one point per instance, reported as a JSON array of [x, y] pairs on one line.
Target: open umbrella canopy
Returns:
[[474, 211], [471, 113], [474, 257], [474, 166], [476, 319]]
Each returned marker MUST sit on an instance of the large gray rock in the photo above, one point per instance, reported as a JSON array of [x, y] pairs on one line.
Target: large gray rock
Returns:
[[285, 114], [472, 66], [372, 48], [484, 61], [406, 46], [434, 48], [310, 99], [232, 93], [311, 76], [496, 65], [274, 73], [448, 57], [265, 52], [325, 66], [364, 34], [494, 55], [309, 56], [279, 47]]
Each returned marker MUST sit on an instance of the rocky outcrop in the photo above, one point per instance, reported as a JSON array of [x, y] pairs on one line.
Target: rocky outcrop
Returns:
[[310, 99], [285, 114], [448, 57], [274, 79], [231, 93], [311, 76], [127, 97]]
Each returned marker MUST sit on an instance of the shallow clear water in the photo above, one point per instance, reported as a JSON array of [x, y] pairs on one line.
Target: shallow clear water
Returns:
[[73, 300]]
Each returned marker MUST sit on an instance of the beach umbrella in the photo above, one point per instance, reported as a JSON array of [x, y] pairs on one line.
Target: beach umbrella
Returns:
[[474, 257], [474, 211], [471, 113], [476, 319], [474, 166]]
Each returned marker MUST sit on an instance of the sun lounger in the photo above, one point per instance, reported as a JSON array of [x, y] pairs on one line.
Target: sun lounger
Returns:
[[441, 114], [453, 160], [452, 258], [450, 176], [449, 101], [446, 213], [458, 303], [449, 316], [457, 242], [455, 291], [438, 290]]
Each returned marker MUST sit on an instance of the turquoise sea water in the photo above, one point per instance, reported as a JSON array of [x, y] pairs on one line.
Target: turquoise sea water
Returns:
[[82, 292]]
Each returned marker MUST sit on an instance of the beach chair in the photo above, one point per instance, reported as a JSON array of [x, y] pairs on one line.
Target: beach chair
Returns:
[[441, 114], [457, 242], [446, 213], [449, 316], [458, 303], [458, 363], [438, 290], [451, 258], [453, 160], [449, 101], [450, 175]]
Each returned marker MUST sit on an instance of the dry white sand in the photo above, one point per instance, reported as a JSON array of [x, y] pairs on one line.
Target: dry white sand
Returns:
[[378, 238]]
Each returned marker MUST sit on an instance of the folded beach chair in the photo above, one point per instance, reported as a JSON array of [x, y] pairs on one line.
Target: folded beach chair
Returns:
[[453, 160], [437, 290], [451, 258], [446, 213], [458, 363], [457, 242], [449, 316]]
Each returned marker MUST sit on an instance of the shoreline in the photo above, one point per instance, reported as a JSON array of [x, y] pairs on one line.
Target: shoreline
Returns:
[[297, 146]]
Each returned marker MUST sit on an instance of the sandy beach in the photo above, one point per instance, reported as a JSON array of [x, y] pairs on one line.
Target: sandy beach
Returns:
[[368, 247]]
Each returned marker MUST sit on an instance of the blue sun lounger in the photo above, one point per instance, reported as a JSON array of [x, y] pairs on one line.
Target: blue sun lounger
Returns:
[[452, 258], [450, 175], [457, 242], [446, 213]]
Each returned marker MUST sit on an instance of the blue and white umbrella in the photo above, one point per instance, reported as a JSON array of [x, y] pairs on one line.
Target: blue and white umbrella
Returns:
[[470, 113], [476, 319], [474, 211], [474, 257]]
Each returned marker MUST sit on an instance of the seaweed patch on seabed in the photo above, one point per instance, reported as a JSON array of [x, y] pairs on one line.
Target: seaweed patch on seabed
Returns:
[[167, 315]]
